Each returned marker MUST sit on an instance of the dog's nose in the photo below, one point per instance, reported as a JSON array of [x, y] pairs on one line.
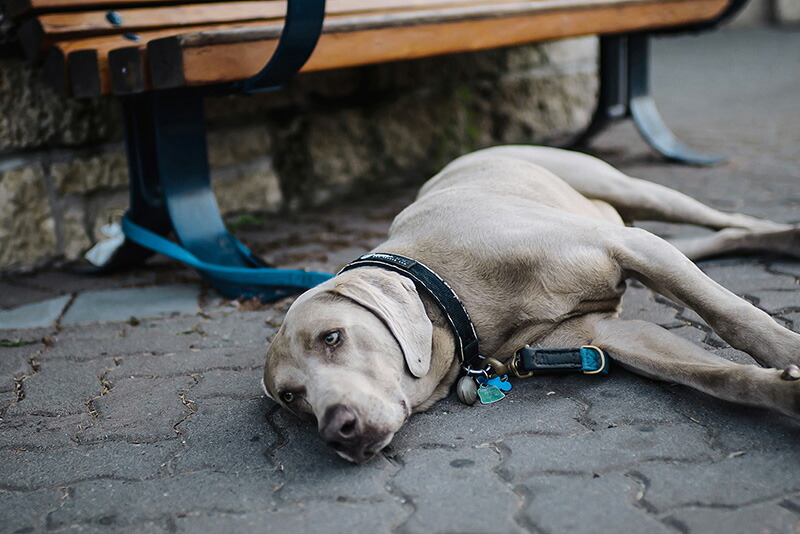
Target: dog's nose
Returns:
[[340, 430], [339, 424]]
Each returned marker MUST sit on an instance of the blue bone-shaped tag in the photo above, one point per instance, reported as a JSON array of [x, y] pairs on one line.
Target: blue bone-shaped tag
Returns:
[[500, 382]]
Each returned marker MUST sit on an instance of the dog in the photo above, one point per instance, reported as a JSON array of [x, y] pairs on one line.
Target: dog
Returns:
[[534, 243]]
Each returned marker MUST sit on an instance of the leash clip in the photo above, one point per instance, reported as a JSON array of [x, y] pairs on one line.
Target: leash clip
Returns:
[[515, 361], [494, 368]]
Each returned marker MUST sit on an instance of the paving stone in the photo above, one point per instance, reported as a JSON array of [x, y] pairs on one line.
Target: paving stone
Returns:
[[794, 319], [690, 317], [27, 511], [139, 410], [122, 304], [747, 276], [14, 292], [452, 423], [226, 435], [693, 334], [314, 516], [733, 481], [312, 470], [32, 432], [778, 301], [145, 527], [585, 504], [15, 335], [429, 474], [61, 388], [242, 384], [187, 362], [64, 281], [791, 268], [736, 428], [87, 342], [639, 303], [237, 329], [754, 518], [609, 449], [120, 502], [15, 363], [29, 470], [617, 401], [39, 314], [7, 399]]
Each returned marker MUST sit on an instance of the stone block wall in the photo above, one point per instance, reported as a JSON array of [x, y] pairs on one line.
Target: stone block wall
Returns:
[[63, 171]]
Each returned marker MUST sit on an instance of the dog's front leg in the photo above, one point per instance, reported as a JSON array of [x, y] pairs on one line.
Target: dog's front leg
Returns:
[[650, 350], [663, 268]]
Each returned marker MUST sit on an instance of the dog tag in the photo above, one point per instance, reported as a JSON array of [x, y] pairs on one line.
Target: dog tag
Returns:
[[467, 390], [500, 382], [489, 394]]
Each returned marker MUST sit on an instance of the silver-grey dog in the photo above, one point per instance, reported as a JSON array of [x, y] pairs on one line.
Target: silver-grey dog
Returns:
[[533, 241]]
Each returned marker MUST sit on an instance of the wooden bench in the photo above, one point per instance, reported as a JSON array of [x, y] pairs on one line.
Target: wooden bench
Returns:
[[161, 57]]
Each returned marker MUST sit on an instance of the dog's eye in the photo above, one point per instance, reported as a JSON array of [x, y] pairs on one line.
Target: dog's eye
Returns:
[[332, 338], [287, 396]]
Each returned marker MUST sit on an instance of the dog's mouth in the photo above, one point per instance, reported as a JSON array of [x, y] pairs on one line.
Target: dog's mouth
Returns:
[[363, 455]]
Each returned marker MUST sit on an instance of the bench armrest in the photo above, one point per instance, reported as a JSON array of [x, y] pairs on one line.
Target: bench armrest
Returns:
[[301, 31]]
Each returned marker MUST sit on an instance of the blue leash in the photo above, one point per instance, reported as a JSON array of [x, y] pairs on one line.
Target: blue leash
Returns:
[[265, 283]]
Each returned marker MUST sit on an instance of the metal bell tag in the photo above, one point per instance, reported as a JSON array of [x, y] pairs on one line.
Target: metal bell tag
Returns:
[[467, 390], [489, 394]]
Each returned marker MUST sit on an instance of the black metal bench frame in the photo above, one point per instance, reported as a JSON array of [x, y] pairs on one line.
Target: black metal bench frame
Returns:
[[170, 189]]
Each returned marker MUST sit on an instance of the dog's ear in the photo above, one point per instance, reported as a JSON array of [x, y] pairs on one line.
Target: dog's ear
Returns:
[[395, 301]]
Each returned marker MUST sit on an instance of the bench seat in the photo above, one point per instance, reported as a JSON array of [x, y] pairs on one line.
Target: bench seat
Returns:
[[142, 45]]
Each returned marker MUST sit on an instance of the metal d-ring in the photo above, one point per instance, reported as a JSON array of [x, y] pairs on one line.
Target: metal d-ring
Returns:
[[475, 372], [602, 360]]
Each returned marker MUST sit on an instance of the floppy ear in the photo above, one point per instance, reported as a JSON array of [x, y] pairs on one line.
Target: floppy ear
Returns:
[[393, 298]]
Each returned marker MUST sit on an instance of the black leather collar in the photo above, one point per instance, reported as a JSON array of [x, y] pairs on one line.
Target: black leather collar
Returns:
[[440, 291]]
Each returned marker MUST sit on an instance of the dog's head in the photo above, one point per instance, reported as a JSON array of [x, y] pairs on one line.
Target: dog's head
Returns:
[[350, 355]]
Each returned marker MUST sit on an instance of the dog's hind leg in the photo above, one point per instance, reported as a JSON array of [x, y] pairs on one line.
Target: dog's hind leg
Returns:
[[665, 269], [650, 350], [741, 241], [635, 199]]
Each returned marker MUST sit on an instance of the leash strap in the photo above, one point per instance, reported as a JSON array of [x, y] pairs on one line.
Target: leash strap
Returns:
[[440, 291], [588, 359], [255, 276]]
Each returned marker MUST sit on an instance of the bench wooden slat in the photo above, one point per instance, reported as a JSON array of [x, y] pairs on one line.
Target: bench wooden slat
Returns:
[[59, 58], [39, 34], [16, 8], [219, 57], [130, 55]]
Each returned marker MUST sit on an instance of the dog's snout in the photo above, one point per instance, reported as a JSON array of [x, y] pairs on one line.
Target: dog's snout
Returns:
[[341, 430]]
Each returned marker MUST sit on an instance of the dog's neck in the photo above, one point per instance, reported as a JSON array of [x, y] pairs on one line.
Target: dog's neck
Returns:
[[444, 363]]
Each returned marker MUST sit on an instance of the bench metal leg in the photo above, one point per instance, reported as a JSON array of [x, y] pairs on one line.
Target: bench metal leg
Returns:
[[146, 206], [625, 93], [171, 190]]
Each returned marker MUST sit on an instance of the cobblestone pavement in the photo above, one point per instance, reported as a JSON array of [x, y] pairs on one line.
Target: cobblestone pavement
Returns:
[[153, 419]]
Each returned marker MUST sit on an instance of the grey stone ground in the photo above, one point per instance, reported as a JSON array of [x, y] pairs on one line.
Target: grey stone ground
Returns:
[[128, 413]]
